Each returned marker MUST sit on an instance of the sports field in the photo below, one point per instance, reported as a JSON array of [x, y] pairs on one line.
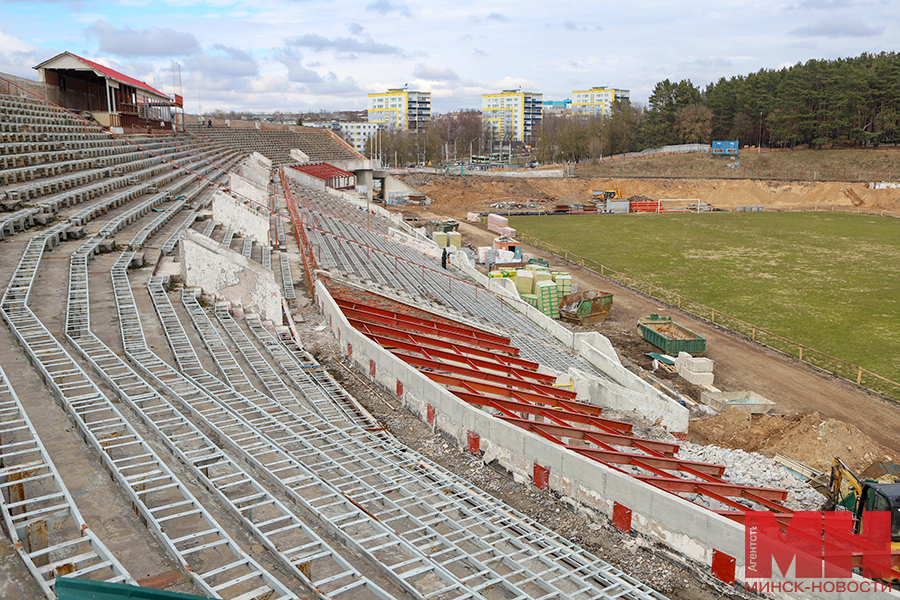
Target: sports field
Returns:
[[827, 280]]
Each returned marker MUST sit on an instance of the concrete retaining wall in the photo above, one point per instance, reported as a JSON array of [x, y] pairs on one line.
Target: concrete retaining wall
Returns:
[[240, 216], [681, 526], [227, 274], [304, 179], [248, 189]]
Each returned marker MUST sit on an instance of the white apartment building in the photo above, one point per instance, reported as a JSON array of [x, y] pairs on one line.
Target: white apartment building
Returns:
[[357, 134], [511, 114], [597, 100], [400, 109]]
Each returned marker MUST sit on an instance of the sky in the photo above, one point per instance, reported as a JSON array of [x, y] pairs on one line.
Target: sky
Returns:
[[310, 55]]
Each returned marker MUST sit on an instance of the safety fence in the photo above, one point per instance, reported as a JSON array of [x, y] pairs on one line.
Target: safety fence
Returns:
[[836, 366]]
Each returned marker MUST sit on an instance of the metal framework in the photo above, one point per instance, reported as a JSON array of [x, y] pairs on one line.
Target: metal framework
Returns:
[[297, 547], [172, 513], [39, 516], [452, 534]]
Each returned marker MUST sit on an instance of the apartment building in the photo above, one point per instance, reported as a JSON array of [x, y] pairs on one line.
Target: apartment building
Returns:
[[511, 114], [597, 100], [400, 109]]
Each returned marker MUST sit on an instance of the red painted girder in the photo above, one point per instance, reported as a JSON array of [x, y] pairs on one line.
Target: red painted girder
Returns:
[[440, 342], [628, 458], [577, 433], [449, 333], [726, 500], [366, 309], [690, 486], [513, 406], [473, 376], [480, 387], [475, 363]]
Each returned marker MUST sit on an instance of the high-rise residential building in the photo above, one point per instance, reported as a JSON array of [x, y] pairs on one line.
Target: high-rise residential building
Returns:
[[400, 109], [597, 101], [511, 114]]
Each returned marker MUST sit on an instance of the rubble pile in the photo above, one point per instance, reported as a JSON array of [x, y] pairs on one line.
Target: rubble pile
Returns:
[[750, 468]]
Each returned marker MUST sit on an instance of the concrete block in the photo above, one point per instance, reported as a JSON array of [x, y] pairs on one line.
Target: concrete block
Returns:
[[74, 233], [107, 245], [138, 260], [43, 218], [695, 378]]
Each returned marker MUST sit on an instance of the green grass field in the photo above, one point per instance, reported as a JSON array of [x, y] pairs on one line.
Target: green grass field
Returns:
[[829, 281]]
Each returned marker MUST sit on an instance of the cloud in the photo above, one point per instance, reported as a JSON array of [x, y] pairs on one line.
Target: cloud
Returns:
[[297, 73], [225, 68], [718, 62], [571, 26], [498, 17], [356, 28], [821, 5], [333, 85], [18, 56], [153, 41], [481, 53], [431, 72], [837, 26], [386, 6], [343, 45]]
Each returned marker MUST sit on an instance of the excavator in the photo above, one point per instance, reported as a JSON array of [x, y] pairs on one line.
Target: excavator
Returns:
[[606, 195], [861, 495]]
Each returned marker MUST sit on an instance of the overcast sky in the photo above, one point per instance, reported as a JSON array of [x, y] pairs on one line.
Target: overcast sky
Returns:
[[306, 55]]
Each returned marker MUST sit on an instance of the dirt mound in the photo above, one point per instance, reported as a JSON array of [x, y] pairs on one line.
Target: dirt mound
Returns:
[[810, 439], [639, 199], [454, 195]]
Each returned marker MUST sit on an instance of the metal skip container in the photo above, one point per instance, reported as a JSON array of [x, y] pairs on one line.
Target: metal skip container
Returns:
[[585, 308]]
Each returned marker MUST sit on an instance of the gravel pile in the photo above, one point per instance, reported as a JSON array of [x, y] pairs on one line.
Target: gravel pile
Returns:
[[750, 468]]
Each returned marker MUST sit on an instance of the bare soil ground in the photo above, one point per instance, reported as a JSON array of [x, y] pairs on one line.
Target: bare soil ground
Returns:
[[836, 418], [454, 195]]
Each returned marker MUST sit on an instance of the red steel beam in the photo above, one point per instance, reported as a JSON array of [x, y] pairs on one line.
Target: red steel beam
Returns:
[[627, 458], [446, 342], [514, 406], [366, 309], [690, 486], [362, 317], [473, 374], [577, 433], [489, 388], [477, 363]]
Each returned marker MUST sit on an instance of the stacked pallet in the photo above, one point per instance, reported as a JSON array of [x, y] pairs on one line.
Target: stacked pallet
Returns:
[[500, 225]]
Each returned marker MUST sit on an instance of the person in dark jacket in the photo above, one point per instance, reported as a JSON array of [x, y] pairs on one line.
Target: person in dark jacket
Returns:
[[444, 258]]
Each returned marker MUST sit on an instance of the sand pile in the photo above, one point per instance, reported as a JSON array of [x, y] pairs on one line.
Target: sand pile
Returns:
[[810, 439]]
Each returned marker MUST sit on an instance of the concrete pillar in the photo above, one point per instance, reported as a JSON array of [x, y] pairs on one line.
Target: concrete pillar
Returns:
[[364, 177]]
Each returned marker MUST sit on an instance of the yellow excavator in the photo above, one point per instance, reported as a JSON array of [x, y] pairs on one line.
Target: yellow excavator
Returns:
[[879, 489], [606, 195]]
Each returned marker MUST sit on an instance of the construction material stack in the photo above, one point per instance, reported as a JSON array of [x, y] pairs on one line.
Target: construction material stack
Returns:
[[500, 225]]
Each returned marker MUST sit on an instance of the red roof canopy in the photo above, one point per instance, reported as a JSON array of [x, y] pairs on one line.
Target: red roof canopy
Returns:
[[111, 74], [323, 170]]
